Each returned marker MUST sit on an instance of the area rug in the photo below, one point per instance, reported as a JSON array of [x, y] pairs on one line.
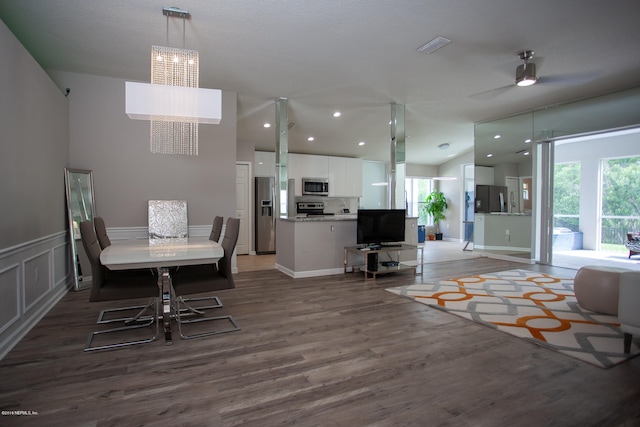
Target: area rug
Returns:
[[532, 306]]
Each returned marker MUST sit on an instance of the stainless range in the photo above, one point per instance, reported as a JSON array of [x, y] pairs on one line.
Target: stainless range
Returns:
[[311, 208]]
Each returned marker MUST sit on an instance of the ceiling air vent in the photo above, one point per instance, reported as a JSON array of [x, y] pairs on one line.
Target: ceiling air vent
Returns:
[[434, 45]]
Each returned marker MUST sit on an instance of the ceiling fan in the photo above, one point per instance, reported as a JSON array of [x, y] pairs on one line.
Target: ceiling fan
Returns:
[[525, 76]]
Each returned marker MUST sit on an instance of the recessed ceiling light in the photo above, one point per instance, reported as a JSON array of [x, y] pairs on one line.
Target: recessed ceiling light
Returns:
[[310, 139], [267, 125], [526, 141], [526, 153], [444, 146], [337, 114], [361, 143], [489, 155], [497, 136]]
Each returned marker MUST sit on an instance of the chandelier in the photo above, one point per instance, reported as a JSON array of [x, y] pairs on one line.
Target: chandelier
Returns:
[[173, 102]]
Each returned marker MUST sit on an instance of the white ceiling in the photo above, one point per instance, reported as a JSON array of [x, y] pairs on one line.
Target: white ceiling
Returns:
[[356, 56]]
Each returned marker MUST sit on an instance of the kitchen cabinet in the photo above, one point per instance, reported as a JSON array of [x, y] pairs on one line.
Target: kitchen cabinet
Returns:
[[345, 177], [306, 166], [264, 164]]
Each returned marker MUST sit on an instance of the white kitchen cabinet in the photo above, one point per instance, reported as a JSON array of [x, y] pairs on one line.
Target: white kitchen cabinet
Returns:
[[265, 164], [345, 177], [306, 166]]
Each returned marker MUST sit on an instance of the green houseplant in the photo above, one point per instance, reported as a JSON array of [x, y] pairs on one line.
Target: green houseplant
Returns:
[[435, 205]]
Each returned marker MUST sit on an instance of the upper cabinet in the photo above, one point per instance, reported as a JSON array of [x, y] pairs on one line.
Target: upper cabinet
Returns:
[[344, 174], [265, 163], [345, 177], [307, 166]]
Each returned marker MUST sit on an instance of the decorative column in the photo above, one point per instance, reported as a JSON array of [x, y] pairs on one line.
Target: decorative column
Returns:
[[282, 150], [397, 158]]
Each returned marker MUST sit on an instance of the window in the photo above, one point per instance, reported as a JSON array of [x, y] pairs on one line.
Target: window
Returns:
[[417, 190], [566, 196], [620, 198]]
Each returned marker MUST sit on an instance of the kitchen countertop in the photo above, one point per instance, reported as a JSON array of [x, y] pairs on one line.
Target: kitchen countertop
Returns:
[[318, 218]]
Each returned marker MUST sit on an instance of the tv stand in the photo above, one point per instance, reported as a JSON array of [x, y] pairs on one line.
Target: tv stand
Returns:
[[373, 265]]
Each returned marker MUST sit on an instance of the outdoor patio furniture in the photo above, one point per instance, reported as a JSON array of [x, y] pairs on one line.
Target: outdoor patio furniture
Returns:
[[633, 244]]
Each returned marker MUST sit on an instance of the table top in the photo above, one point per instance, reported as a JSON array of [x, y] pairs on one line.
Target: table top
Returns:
[[153, 253]]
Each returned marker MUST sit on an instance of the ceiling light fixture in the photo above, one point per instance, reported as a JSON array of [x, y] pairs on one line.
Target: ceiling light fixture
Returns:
[[361, 143], [266, 125], [173, 102], [526, 72], [497, 136], [444, 146], [434, 45], [337, 114], [311, 139]]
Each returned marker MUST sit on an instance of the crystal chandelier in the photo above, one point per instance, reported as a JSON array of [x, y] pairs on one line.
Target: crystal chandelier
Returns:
[[174, 67], [173, 102]]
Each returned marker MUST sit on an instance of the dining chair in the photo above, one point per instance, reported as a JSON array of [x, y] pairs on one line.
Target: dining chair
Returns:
[[101, 232], [216, 230], [109, 285], [195, 279]]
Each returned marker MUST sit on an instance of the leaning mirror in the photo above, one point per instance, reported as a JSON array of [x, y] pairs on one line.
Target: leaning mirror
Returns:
[[80, 207]]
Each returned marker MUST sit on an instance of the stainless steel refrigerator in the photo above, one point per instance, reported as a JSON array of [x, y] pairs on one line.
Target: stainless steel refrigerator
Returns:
[[265, 229]]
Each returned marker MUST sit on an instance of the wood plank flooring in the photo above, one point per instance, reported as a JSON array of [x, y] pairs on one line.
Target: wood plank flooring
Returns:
[[327, 351]]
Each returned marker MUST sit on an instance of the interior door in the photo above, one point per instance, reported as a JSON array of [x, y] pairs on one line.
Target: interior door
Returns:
[[243, 207]]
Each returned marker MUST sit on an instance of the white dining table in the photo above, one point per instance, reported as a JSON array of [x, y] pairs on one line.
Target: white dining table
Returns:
[[161, 254]]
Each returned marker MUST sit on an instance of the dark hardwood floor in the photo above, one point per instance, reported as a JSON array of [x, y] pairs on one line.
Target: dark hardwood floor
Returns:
[[327, 351]]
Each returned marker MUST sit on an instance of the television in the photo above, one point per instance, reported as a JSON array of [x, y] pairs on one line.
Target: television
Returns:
[[379, 226]]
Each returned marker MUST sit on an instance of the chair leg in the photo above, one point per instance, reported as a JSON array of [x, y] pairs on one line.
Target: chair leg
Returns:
[[627, 343], [148, 320], [138, 317], [189, 311]]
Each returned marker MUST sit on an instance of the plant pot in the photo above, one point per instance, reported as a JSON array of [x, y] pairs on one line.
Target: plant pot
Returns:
[[438, 236], [432, 237]]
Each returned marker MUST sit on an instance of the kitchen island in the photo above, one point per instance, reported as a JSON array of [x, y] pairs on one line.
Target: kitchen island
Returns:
[[502, 231], [314, 245]]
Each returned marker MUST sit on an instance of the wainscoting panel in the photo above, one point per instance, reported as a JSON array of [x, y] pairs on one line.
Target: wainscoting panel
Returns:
[[34, 276], [9, 296]]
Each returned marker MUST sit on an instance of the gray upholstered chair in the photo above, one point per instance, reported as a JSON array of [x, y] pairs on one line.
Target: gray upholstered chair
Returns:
[[195, 279], [216, 230], [101, 232], [114, 285], [629, 306]]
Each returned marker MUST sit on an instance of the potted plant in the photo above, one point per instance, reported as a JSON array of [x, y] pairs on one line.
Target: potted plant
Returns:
[[435, 204]]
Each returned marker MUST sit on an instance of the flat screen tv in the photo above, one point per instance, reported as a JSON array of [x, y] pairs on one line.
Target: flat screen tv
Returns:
[[380, 226]]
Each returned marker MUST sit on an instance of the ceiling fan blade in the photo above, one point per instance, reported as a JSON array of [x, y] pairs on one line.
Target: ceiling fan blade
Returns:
[[492, 93]]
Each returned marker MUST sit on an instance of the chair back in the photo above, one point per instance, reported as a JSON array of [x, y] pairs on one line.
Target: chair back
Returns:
[[101, 232], [216, 230], [229, 244], [92, 248]]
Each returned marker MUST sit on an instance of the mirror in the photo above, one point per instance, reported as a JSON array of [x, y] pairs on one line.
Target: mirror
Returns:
[[503, 171], [507, 162], [80, 207]]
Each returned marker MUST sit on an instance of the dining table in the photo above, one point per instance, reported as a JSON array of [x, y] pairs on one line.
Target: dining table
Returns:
[[161, 254]]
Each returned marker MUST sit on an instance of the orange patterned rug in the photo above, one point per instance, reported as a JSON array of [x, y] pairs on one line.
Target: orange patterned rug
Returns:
[[530, 305]]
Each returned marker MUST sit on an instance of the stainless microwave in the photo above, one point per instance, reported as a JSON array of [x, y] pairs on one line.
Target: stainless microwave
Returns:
[[315, 186]]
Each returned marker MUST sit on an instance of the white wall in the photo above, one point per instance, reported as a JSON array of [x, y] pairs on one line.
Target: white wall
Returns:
[[452, 227]]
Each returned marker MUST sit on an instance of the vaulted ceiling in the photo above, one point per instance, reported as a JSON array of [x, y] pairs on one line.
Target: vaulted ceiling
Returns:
[[353, 56]]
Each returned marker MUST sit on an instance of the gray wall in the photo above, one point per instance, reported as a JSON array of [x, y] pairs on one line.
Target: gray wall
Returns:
[[126, 174], [34, 138], [34, 134]]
